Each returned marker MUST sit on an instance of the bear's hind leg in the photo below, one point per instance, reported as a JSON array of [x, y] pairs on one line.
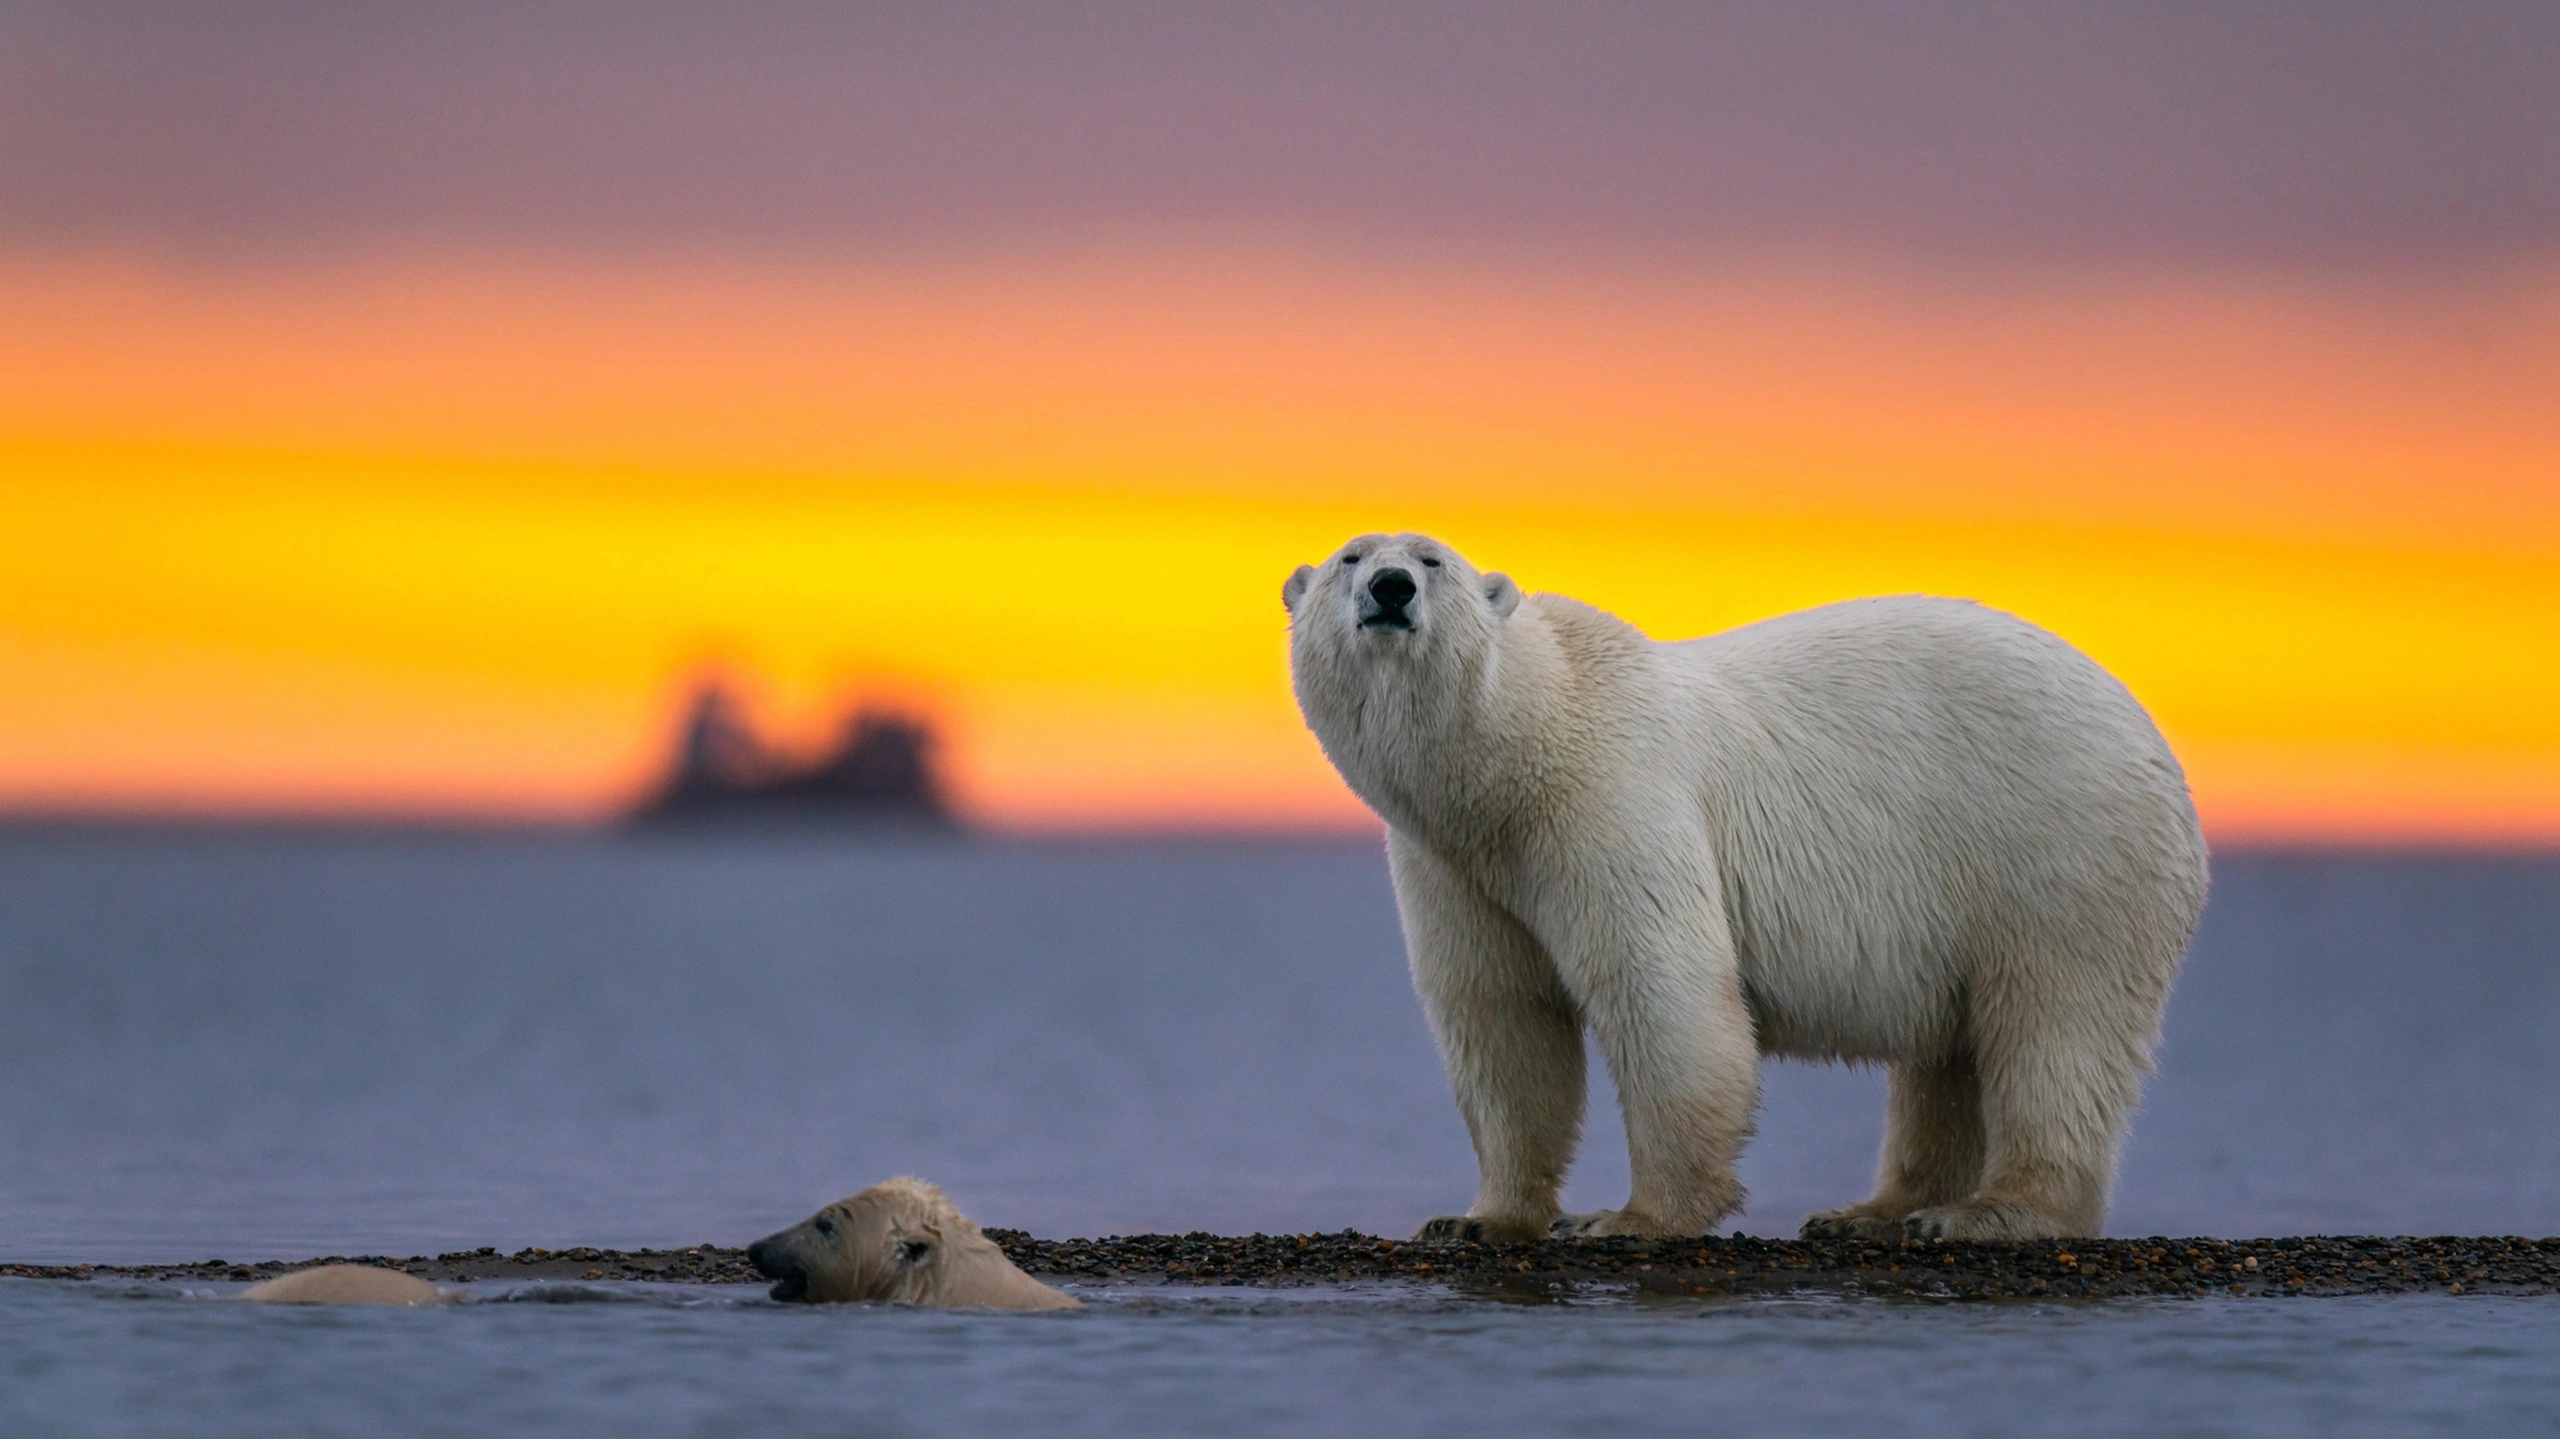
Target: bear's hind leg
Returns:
[[2054, 1109], [1932, 1150]]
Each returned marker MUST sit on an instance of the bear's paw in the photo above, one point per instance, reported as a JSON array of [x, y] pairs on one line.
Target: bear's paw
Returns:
[[1608, 1223], [1481, 1229], [1867, 1221], [1987, 1219]]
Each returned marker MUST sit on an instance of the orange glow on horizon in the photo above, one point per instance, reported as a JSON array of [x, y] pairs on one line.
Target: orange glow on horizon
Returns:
[[441, 535]]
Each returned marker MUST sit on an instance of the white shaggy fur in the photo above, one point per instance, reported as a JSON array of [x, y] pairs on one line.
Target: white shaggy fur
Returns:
[[1911, 832]]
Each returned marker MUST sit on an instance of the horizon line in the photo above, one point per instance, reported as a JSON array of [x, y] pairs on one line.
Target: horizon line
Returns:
[[18, 823]]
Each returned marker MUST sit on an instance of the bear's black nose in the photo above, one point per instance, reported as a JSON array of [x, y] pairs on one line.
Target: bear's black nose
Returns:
[[1392, 590]]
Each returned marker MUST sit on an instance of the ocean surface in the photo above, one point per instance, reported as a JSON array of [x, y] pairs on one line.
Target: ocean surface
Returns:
[[271, 1045]]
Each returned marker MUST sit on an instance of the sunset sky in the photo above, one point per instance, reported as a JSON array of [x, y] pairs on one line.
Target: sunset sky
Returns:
[[399, 406]]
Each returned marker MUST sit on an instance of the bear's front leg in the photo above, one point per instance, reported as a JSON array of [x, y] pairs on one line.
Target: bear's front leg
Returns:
[[1511, 1039], [1653, 969]]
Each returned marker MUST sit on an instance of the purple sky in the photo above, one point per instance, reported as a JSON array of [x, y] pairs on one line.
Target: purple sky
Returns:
[[2291, 133]]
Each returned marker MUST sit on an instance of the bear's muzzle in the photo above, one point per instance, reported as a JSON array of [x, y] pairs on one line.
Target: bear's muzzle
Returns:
[[1386, 602], [776, 1258]]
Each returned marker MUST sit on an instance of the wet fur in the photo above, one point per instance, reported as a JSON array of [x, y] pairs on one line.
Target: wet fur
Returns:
[[899, 1242], [347, 1284]]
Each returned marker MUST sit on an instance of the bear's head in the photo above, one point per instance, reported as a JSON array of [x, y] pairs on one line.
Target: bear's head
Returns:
[[1392, 641], [1400, 599], [900, 1241], [879, 1244]]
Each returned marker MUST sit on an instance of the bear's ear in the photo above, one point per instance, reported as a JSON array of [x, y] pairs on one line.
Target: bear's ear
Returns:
[[913, 1243], [1295, 586], [1502, 594]]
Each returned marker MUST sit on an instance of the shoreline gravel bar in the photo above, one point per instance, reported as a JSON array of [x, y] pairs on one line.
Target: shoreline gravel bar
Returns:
[[2080, 1269]]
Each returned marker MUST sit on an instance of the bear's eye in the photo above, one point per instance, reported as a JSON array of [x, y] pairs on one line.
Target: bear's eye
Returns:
[[1429, 563], [827, 1227], [1351, 559], [912, 1250]]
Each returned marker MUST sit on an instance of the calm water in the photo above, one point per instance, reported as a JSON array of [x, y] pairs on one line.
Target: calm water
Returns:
[[124, 1362], [285, 1045]]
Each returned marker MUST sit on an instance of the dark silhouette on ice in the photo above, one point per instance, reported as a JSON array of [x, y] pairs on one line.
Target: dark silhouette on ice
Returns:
[[880, 770]]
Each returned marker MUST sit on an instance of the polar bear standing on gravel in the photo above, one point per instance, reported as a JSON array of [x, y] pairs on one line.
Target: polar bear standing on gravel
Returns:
[[1910, 832]]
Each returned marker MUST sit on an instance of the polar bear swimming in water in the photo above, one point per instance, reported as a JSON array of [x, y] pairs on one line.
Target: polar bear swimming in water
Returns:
[[1910, 832], [348, 1284], [899, 1241]]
